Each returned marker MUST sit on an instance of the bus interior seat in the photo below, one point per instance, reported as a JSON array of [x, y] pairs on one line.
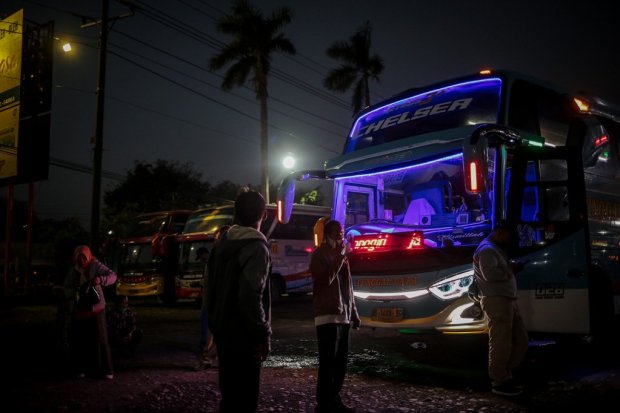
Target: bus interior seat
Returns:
[[418, 208], [427, 199]]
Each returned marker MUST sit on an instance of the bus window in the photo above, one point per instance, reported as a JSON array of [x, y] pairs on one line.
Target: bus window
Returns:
[[301, 226], [393, 204], [357, 208], [556, 202], [541, 111]]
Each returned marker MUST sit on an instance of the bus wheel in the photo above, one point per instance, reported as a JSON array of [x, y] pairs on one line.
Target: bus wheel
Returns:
[[277, 287], [601, 309]]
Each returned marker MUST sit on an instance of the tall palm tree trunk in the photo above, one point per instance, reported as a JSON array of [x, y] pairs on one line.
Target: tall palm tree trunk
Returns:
[[264, 149]]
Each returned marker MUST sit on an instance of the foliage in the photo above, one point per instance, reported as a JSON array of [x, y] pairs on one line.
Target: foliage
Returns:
[[158, 186], [357, 69], [225, 191], [248, 57]]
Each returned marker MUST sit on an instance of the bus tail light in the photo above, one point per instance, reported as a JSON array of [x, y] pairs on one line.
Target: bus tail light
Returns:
[[387, 242], [473, 177]]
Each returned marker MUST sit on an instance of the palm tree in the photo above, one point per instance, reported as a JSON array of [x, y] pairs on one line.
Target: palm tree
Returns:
[[357, 68], [249, 54]]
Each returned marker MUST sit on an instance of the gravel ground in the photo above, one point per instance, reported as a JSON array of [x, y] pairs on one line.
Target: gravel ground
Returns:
[[161, 378]]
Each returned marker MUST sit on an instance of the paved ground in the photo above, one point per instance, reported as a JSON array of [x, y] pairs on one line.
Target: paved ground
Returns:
[[386, 374]]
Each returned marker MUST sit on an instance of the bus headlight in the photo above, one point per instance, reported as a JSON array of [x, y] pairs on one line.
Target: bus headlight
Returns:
[[453, 287]]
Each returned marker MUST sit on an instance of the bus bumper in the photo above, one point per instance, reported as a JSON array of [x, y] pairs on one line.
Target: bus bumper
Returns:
[[462, 316], [189, 289], [153, 287]]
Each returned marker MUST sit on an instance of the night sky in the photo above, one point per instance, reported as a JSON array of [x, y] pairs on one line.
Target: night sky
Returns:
[[162, 102]]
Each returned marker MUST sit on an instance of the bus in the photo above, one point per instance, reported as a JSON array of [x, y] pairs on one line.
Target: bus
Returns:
[[425, 175], [148, 256], [291, 246]]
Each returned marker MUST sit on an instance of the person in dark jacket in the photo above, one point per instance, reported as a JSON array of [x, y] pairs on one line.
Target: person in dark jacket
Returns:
[[239, 304], [508, 339], [334, 314]]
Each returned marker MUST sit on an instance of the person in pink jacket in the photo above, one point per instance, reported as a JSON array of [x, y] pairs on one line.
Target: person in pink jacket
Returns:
[[88, 338]]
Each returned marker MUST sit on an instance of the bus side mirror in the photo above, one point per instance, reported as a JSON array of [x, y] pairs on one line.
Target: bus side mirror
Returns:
[[475, 166], [475, 153], [286, 192], [286, 197]]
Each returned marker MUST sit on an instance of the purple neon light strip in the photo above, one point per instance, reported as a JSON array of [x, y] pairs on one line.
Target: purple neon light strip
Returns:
[[492, 79], [402, 168]]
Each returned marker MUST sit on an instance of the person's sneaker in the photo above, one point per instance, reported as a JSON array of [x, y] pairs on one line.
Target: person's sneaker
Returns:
[[109, 376], [507, 389]]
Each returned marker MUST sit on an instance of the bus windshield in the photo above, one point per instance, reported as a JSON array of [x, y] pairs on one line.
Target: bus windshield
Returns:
[[209, 220], [463, 104], [146, 225], [429, 197]]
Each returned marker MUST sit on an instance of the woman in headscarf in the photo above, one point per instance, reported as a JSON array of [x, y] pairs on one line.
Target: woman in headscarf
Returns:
[[89, 338]]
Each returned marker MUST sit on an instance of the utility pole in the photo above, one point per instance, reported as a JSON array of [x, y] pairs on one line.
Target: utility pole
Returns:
[[98, 138]]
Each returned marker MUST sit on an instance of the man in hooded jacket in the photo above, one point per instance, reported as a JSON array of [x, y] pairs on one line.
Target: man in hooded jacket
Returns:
[[239, 304]]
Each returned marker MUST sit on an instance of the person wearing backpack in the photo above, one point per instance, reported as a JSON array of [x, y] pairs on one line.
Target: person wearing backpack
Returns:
[[508, 340], [239, 304]]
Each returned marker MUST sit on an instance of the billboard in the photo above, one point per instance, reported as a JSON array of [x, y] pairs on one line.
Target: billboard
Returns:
[[26, 52], [11, 33]]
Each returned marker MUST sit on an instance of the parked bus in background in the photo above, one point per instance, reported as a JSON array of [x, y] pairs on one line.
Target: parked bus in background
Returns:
[[148, 255], [425, 176], [291, 247]]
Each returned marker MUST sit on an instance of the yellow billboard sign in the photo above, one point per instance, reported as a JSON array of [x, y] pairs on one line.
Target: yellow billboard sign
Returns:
[[11, 31]]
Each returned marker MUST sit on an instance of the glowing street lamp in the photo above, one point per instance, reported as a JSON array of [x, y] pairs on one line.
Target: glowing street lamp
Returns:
[[288, 162], [67, 47]]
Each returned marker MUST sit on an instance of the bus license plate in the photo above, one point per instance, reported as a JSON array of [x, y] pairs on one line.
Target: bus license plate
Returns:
[[388, 314]]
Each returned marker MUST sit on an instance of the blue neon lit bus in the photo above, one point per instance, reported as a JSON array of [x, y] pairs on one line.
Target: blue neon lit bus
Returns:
[[425, 175]]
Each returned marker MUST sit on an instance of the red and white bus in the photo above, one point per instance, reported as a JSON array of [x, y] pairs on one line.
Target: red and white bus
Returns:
[[291, 247], [148, 255]]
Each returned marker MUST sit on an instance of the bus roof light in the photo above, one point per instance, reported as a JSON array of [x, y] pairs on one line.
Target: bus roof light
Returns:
[[582, 105]]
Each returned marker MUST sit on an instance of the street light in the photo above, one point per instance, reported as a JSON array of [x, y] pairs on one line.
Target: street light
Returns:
[[288, 162]]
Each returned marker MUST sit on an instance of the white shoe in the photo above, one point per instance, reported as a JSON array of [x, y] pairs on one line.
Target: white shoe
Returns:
[[109, 376]]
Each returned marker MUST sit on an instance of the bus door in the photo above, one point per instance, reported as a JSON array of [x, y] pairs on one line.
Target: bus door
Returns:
[[360, 204], [547, 205]]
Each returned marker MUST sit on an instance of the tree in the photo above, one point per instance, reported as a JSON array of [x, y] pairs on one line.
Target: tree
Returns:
[[255, 39], [357, 68], [158, 186]]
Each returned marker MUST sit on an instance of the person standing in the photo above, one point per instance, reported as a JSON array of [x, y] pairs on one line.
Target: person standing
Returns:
[[508, 338], [239, 304], [90, 350], [334, 314], [206, 347]]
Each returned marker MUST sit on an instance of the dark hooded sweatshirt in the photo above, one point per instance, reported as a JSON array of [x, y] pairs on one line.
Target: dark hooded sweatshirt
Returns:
[[239, 301]]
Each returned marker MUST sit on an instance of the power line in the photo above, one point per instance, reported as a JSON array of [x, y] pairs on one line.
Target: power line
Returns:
[[253, 101], [181, 85], [183, 28], [73, 166]]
